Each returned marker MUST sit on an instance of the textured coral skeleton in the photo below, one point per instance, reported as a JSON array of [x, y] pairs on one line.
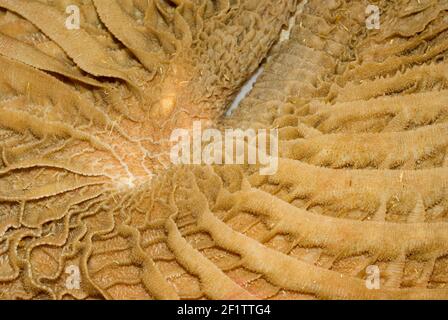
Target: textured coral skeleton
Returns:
[[85, 178]]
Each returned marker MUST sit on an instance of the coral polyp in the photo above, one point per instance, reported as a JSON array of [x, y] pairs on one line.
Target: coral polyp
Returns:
[[91, 205]]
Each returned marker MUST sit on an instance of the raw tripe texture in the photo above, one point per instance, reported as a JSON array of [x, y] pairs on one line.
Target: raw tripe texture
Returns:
[[85, 177]]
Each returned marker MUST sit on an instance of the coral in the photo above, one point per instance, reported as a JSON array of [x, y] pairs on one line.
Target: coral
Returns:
[[86, 116]]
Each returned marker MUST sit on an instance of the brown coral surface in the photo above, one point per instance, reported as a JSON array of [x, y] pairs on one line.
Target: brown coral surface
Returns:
[[86, 116]]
